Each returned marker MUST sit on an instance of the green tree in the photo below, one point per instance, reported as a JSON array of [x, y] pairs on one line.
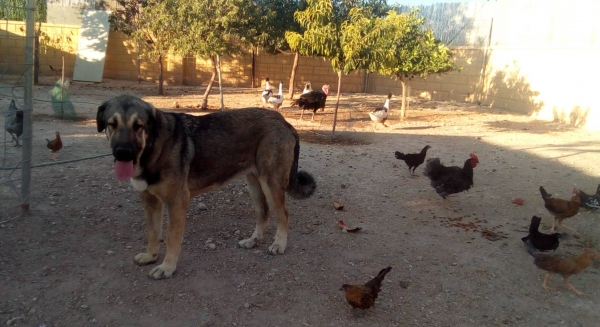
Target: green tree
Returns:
[[271, 19], [126, 19], [407, 49], [155, 31], [212, 28], [336, 30]]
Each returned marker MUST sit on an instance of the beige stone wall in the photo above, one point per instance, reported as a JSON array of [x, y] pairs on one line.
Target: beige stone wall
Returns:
[[529, 67], [461, 86], [56, 41]]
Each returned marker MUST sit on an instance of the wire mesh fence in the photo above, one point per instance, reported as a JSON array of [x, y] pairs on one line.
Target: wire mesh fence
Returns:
[[15, 177]]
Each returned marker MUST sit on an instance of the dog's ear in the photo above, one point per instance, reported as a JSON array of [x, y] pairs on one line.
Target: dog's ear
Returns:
[[100, 121]]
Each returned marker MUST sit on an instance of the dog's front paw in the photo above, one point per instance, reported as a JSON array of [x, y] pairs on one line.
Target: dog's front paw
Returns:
[[144, 258], [248, 243], [276, 248], [162, 271]]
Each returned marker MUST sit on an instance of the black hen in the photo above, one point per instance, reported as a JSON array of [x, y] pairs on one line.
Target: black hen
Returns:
[[541, 241], [13, 122], [312, 100], [413, 160], [450, 180], [591, 202]]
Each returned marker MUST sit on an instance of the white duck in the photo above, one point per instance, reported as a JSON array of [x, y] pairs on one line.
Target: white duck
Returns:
[[380, 114], [275, 101], [267, 92]]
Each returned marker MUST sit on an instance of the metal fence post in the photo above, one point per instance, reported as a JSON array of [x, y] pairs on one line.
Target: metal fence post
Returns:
[[27, 111]]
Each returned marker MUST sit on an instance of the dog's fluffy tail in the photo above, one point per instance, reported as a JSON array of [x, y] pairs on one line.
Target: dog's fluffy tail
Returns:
[[302, 185]]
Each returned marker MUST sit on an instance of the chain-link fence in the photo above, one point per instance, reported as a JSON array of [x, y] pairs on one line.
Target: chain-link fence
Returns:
[[16, 98]]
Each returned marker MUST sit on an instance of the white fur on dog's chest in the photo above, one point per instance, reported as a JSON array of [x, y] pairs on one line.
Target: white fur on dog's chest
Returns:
[[139, 185]]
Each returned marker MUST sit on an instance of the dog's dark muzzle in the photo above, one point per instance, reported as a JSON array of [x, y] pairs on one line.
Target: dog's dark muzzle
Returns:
[[123, 152]]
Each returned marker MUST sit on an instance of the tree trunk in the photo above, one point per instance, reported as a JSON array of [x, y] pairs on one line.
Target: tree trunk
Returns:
[[337, 103], [62, 76], [407, 98], [36, 56], [139, 63], [220, 82], [160, 75], [209, 86], [293, 75], [253, 67], [403, 107]]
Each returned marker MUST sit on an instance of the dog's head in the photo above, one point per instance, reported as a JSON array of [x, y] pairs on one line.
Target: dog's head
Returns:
[[129, 123]]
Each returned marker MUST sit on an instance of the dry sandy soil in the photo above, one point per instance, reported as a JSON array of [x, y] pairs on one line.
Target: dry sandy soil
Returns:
[[70, 263]]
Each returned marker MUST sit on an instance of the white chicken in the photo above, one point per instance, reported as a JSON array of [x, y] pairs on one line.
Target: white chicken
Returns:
[[307, 88], [380, 114], [267, 92], [275, 101]]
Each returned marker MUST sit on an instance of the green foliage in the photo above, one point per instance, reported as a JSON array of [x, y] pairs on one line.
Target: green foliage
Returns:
[[126, 16], [15, 10], [157, 28], [342, 31], [271, 19], [409, 49], [212, 27]]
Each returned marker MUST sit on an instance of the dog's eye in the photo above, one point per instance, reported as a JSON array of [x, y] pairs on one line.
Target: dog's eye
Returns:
[[138, 126], [112, 124]]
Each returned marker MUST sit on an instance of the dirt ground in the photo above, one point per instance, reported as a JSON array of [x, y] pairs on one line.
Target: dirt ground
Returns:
[[70, 263]]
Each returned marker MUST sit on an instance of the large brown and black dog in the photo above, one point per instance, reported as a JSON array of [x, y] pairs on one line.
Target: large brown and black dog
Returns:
[[172, 157]]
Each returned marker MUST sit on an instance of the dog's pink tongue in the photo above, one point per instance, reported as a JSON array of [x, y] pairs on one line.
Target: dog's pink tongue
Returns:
[[124, 170]]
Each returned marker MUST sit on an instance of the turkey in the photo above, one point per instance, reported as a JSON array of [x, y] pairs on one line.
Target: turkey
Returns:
[[380, 114], [275, 101], [13, 122], [267, 92], [312, 100], [307, 88]]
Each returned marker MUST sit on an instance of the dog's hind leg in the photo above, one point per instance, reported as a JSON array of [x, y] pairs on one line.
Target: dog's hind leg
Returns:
[[275, 195], [262, 212], [177, 207], [153, 210]]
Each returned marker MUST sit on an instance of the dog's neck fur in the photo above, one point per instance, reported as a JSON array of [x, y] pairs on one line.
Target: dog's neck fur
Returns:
[[139, 185]]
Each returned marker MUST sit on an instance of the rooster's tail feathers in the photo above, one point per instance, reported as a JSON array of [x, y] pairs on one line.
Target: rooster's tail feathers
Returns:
[[433, 165], [535, 224], [545, 194]]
